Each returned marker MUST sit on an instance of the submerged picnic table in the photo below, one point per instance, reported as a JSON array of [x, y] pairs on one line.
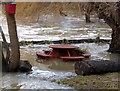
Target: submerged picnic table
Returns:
[[65, 52]]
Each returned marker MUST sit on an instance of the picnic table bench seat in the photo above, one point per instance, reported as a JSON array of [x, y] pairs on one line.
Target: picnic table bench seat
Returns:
[[72, 57], [47, 50], [86, 55], [39, 54]]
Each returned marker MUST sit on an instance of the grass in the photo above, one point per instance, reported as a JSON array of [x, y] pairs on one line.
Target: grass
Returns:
[[24, 43], [105, 81], [65, 41], [47, 42]]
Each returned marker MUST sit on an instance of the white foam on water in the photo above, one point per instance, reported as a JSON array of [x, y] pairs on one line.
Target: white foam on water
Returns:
[[37, 79], [66, 28]]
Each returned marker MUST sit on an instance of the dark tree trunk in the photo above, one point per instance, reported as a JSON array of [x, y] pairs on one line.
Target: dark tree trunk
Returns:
[[4, 64], [5, 60], [97, 67], [87, 17], [6, 46], [87, 8], [115, 42], [112, 18]]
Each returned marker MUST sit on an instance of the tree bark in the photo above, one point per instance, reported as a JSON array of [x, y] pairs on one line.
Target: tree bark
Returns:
[[4, 64], [97, 67], [87, 17], [6, 47], [112, 18], [15, 53], [88, 8], [115, 42]]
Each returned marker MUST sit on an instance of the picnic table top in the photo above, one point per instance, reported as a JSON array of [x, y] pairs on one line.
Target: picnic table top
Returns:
[[63, 46]]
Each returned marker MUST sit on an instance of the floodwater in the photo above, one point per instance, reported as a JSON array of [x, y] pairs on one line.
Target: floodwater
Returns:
[[46, 70], [55, 27], [37, 79], [96, 50], [52, 27]]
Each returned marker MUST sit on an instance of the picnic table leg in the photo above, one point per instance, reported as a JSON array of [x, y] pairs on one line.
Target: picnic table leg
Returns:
[[54, 53], [68, 52]]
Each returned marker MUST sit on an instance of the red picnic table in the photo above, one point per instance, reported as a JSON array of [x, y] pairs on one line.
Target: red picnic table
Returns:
[[65, 52]]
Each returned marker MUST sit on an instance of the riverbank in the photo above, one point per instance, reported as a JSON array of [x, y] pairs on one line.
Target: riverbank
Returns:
[[104, 81], [65, 41]]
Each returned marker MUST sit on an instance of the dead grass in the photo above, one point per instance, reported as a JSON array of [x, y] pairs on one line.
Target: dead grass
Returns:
[[106, 81]]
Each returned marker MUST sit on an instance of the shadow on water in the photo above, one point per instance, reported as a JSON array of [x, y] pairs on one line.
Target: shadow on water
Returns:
[[58, 64]]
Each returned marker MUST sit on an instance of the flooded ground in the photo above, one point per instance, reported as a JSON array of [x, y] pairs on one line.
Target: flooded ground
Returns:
[[46, 70], [52, 27], [55, 27], [96, 50], [37, 79]]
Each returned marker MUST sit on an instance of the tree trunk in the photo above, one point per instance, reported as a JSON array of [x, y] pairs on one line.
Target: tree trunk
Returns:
[[4, 64], [87, 17], [97, 67], [115, 42], [87, 9], [15, 53], [113, 20], [6, 46]]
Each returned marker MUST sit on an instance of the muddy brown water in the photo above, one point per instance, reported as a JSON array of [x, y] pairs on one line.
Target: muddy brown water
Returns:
[[46, 70], [96, 50], [52, 27]]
